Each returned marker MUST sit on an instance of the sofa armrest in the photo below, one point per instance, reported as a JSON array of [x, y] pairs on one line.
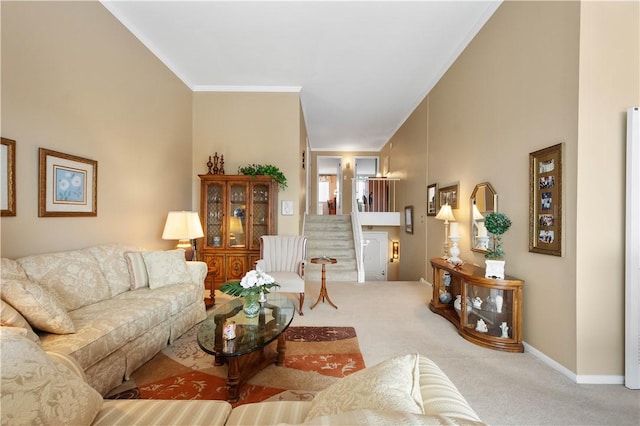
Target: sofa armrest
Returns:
[[439, 395], [197, 270], [68, 362]]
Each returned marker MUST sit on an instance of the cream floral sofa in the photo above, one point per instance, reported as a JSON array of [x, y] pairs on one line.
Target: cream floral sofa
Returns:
[[48, 388], [109, 307]]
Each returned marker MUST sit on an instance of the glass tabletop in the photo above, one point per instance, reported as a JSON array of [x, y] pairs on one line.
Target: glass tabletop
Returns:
[[251, 333]]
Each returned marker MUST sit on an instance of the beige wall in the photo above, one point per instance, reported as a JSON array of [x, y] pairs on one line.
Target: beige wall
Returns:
[[537, 74], [75, 80], [609, 84], [407, 153], [248, 128]]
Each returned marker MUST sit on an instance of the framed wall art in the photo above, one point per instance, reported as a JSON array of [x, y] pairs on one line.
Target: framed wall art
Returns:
[[408, 219], [8, 177], [432, 199], [67, 185], [449, 195], [545, 201]]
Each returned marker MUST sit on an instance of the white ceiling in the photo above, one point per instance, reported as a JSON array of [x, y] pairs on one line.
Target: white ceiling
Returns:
[[361, 67]]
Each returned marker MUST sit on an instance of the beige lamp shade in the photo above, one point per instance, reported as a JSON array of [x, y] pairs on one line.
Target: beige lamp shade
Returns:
[[446, 213], [235, 226], [476, 213], [182, 226]]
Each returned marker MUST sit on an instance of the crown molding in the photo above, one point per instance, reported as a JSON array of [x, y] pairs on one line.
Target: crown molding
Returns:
[[263, 89]]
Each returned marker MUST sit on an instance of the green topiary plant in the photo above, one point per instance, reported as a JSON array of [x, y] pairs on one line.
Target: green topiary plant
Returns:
[[265, 170], [497, 224]]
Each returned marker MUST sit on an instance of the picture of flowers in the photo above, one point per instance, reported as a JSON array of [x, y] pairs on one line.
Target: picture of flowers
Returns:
[[67, 185]]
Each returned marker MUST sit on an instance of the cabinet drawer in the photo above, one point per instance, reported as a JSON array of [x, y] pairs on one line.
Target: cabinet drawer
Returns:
[[236, 267]]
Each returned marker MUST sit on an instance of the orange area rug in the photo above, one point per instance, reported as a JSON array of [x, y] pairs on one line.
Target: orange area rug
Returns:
[[315, 358]]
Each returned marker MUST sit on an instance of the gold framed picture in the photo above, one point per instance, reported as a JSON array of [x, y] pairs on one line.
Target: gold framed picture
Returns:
[[67, 185], [449, 195], [545, 201], [8, 178]]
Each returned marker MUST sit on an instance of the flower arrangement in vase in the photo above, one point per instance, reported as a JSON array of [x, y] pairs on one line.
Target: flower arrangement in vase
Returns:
[[253, 287], [497, 224]]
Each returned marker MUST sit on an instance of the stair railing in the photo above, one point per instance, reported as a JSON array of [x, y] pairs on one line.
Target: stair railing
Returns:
[[358, 245]]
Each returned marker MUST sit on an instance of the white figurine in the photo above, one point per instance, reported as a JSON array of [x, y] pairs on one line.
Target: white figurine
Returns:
[[477, 303], [505, 330], [481, 326]]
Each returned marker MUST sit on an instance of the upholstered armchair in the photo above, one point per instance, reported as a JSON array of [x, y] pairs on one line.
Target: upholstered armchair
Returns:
[[282, 257]]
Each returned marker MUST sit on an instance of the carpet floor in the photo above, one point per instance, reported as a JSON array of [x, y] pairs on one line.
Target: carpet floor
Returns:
[[315, 358]]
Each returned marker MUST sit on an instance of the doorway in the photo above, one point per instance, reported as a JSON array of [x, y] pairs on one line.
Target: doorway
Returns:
[[364, 167], [329, 185], [375, 256]]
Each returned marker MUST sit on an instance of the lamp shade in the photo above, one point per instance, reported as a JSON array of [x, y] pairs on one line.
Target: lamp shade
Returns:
[[476, 213], [445, 213], [182, 226]]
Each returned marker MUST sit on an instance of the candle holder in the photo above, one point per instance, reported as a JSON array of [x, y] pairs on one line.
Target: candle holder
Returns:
[[483, 242], [454, 251]]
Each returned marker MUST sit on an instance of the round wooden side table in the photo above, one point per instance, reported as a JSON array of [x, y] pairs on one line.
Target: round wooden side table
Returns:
[[324, 261]]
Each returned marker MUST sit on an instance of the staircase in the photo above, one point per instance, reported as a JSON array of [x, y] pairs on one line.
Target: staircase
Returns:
[[332, 236]]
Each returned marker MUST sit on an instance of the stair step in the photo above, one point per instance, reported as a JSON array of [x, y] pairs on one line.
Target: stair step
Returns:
[[330, 235]]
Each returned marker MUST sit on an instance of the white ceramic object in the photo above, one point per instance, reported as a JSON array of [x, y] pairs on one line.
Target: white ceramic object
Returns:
[[495, 269]]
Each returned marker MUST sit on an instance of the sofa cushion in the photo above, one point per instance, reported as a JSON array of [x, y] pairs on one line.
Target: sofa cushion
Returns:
[[150, 412], [269, 413], [38, 390], [138, 276], [10, 268], [113, 265], [166, 268], [9, 317], [37, 305], [440, 395], [392, 385], [105, 327], [387, 418], [177, 296], [74, 277]]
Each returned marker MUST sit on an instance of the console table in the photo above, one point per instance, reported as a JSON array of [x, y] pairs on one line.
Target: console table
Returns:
[[488, 312]]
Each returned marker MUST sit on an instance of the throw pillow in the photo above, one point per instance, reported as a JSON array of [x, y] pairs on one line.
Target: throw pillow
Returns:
[[37, 390], [113, 265], [166, 268], [137, 270], [392, 385], [37, 305], [10, 268], [9, 317], [73, 276]]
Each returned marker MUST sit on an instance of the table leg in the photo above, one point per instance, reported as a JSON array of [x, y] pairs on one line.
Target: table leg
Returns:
[[233, 379], [282, 347], [323, 290]]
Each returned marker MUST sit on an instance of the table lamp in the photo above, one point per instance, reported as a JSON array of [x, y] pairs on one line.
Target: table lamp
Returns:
[[446, 214], [183, 226]]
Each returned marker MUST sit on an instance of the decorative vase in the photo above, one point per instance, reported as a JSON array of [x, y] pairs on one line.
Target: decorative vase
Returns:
[[251, 305], [495, 269]]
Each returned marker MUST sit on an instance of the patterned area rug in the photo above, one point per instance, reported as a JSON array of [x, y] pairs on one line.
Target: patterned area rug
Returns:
[[315, 358]]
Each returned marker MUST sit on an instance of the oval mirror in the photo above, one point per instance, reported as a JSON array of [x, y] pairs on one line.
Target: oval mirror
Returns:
[[484, 200]]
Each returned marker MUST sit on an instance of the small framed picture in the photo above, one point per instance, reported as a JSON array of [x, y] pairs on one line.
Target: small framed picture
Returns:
[[432, 199], [67, 185], [449, 195], [408, 219], [545, 201], [8, 177]]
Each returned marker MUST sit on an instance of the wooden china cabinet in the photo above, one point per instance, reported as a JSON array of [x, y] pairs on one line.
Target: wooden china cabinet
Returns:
[[488, 311], [236, 210]]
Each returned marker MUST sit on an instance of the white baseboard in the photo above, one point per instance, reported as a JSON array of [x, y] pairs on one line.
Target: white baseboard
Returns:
[[576, 378]]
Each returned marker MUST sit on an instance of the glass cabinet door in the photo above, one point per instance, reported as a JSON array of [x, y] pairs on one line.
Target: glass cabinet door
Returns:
[[260, 207], [237, 218], [489, 311], [215, 214]]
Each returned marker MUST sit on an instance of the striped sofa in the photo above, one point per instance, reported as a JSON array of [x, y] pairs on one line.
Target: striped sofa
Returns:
[[50, 388]]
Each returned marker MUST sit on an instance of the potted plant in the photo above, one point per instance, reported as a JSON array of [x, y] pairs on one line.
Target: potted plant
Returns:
[[252, 288], [265, 170], [497, 224]]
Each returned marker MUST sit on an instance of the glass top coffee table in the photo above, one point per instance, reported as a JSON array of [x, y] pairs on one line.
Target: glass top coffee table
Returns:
[[251, 350]]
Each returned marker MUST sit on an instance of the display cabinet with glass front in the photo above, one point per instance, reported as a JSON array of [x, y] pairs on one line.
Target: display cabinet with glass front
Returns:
[[487, 312], [236, 210]]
